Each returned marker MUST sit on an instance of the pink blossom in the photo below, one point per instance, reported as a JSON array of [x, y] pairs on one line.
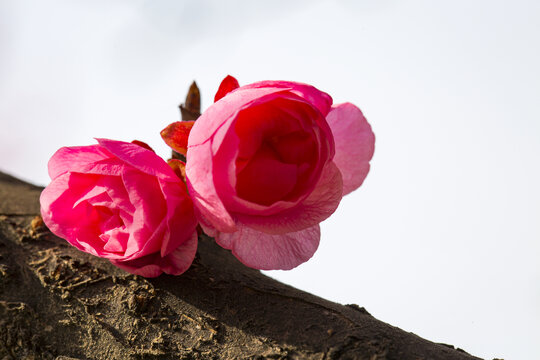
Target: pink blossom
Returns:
[[122, 202], [267, 162]]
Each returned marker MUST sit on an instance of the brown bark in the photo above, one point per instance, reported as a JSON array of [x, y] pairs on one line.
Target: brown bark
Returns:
[[59, 303], [189, 110]]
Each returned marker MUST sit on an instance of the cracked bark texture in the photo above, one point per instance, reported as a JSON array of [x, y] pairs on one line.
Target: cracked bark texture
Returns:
[[59, 303]]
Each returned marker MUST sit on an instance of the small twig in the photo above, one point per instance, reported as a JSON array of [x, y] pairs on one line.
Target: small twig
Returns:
[[189, 110]]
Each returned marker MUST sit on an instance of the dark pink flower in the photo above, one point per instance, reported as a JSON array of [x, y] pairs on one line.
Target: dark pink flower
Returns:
[[122, 202], [267, 162]]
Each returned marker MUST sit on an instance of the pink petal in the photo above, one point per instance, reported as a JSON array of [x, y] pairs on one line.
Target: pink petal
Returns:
[[140, 158], [271, 118], [78, 222], [145, 195], [118, 194], [59, 213], [224, 111], [112, 166], [116, 240], [75, 158], [176, 263], [227, 85], [209, 133], [96, 195], [319, 99], [203, 191], [181, 221], [318, 206], [257, 181], [271, 252], [355, 143]]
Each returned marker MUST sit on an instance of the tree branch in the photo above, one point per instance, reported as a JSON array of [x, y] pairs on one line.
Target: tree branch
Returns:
[[59, 303]]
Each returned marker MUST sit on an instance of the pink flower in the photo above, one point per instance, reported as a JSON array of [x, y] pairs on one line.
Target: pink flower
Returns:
[[267, 162], [122, 202]]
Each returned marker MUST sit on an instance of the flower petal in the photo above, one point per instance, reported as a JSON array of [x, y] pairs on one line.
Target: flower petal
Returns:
[[355, 144], [282, 116], [318, 206], [75, 158], [265, 179], [176, 135], [227, 85], [140, 158], [181, 221], [224, 111], [146, 231], [203, 190], [115, 240], [176, 263], [317, 98], [56, 197], [271, 252]]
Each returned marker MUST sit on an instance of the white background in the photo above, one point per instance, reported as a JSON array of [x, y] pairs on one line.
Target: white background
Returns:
[[443, 237]]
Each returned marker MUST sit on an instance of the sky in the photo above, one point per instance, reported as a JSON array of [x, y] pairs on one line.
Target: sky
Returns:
[[442, 239]]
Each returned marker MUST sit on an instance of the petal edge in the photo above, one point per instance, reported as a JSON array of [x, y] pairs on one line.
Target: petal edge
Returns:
[[271, 252], [355, 144]]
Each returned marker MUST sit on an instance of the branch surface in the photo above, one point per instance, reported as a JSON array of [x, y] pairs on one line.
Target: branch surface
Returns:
[[59, 303]]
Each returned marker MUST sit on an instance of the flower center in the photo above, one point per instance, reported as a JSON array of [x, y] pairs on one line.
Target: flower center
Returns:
[[278, 150]]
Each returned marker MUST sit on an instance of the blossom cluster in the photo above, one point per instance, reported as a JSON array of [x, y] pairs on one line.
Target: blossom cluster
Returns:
[[265, 164]]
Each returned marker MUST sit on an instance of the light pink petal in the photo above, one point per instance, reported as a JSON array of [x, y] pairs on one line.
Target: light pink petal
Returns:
[[355, 143], [140, 158], [319, 99], [176, 263], [206, 227], [75, 159], [271, 252], [318, 206], [203, 190]]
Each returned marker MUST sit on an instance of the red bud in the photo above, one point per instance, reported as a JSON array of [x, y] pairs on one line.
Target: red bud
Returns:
[[227, 85], [176, 135]]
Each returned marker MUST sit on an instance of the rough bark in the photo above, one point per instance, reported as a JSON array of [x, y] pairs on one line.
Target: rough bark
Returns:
[[59, 303]]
